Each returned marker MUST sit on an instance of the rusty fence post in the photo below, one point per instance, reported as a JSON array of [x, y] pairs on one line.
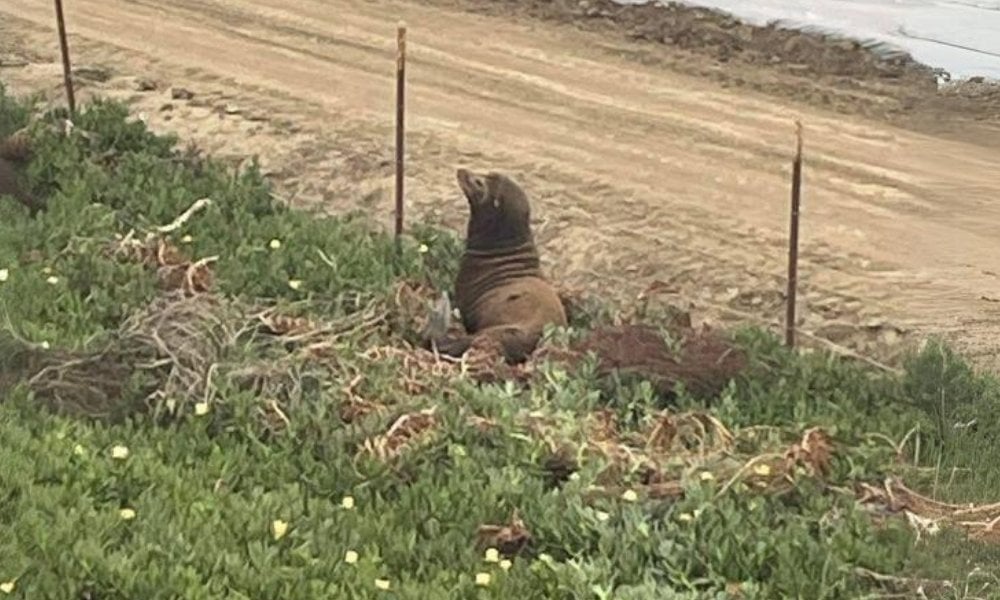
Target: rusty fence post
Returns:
[[793, 240], [400, 129]]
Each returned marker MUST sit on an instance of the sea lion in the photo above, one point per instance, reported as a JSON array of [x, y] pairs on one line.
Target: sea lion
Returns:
[[500, 290]]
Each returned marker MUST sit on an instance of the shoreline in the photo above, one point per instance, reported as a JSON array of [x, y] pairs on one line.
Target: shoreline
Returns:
[[817, 67], [896, 29]]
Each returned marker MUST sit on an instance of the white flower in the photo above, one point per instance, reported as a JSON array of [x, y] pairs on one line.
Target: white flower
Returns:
[[201, 408], [602, 516], [347, 502], [52, 280], [119, 452], [423, 248], [351, 557], [127, 514], [629, 496], [7, 587], [187, 239], [45, 345], [78, 450], [506, 564], [275, 244], [382, 584], [4, 275], [492, 555], [707, 476], [482, 579], [295, 283]]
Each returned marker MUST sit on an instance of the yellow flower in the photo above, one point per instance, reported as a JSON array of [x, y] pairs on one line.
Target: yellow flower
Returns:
[[119, 452], [78, 450], [127, 514], [275, 244], [295, 283], [351, 557], [279, 528], [201, 408], [706, 476], [382, 584], [482, 579], [187, 239], [52, 280], [7, 587], [762, 470], [506, 564], [492, 555], [347, 502], [4, 275], [629, 496]]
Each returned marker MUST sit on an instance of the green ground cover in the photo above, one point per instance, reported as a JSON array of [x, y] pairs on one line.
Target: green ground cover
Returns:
[[241, 464]]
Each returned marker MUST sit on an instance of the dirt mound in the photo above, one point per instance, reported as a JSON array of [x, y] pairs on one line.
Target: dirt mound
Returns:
[[703, 360]]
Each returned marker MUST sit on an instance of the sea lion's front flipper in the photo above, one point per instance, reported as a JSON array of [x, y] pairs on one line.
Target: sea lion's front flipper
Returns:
[[434, 336]]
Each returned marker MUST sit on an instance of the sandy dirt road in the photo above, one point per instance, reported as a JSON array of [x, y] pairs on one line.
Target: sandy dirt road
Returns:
[[639, 173]]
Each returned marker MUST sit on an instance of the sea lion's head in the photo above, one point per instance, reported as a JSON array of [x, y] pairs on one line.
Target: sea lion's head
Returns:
[[499, 211]]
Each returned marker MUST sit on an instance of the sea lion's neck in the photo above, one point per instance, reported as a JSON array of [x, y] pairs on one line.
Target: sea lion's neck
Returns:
[[523, 247]]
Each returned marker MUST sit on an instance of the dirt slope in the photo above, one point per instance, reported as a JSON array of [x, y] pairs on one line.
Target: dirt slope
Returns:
[[641, 170]]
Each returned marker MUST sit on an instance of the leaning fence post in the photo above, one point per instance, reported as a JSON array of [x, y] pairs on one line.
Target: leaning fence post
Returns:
[[64, 46]]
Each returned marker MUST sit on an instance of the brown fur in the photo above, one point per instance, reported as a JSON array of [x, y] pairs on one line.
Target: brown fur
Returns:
[[500, 290]]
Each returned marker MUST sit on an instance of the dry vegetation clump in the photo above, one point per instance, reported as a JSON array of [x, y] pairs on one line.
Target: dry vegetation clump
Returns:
[[926, 515], [509, 540], [672, 449], [408, 431], [162, 355]]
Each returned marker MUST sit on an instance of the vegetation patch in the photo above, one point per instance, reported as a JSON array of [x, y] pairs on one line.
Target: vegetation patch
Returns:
[[206, 394]]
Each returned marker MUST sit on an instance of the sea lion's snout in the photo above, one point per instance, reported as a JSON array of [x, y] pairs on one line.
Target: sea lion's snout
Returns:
[[472, 186]]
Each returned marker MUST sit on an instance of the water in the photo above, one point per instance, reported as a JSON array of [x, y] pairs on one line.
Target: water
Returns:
[[960, 36]]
